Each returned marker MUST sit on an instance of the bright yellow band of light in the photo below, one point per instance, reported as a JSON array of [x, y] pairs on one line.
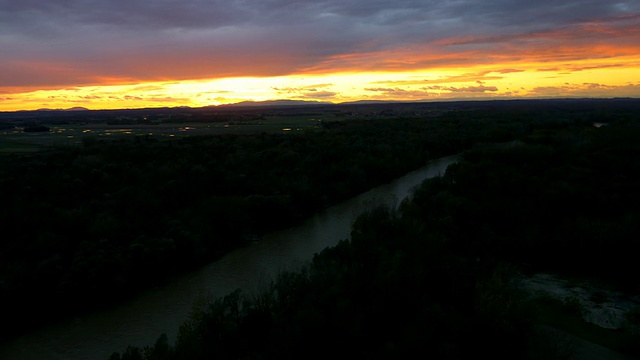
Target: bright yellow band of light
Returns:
[[579, 79]]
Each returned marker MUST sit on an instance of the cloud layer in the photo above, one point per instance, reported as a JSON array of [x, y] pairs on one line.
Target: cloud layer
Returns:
[[68, 43]]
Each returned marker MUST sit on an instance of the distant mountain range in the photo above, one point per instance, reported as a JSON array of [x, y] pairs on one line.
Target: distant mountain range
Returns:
[[366, 102], [242, 104], [249, 104], [290, 103], [77, 108], [283, 102], [286, 102]]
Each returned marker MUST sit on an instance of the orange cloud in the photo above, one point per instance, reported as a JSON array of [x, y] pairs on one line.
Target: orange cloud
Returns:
[[96, 43]]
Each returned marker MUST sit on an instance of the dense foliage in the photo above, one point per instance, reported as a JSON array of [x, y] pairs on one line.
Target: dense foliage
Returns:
[[566, 201], [437, 277], [89, 225], [381, 295]]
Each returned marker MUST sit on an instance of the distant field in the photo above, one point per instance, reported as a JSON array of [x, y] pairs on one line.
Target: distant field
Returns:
[[10, 144], [72, 134]]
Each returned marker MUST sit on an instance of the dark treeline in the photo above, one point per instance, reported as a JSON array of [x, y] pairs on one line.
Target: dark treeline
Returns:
[[565, 201], [437, 277], [395, 290], [89, 225]]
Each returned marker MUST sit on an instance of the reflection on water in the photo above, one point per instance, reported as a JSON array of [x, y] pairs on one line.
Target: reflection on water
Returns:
[[162, 310]]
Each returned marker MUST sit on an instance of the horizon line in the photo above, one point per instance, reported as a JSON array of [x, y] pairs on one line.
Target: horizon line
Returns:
[[269, 103]]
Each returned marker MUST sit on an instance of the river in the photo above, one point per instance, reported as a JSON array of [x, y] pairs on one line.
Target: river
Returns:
[[143, 319]]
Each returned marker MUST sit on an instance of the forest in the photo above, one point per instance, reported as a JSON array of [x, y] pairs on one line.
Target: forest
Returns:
[[437, 277], [90, 225], [539, 188]]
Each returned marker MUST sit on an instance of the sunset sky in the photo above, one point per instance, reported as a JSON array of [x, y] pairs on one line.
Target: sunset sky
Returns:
[[153, 53]]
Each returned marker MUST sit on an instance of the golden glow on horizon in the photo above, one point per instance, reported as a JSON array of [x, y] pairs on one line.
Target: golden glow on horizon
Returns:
[[618, 77]]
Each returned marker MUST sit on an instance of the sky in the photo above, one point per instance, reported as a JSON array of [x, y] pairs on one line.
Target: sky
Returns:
[[101, 54]]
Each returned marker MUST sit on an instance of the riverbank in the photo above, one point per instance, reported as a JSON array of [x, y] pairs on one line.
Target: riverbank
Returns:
[[594, 319], [576, 348]]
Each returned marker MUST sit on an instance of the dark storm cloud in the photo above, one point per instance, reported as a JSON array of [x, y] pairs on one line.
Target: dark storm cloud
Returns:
[[65, 42], [68, 16]]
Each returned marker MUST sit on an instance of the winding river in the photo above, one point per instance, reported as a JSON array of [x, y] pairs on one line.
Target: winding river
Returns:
[[161, 310]]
